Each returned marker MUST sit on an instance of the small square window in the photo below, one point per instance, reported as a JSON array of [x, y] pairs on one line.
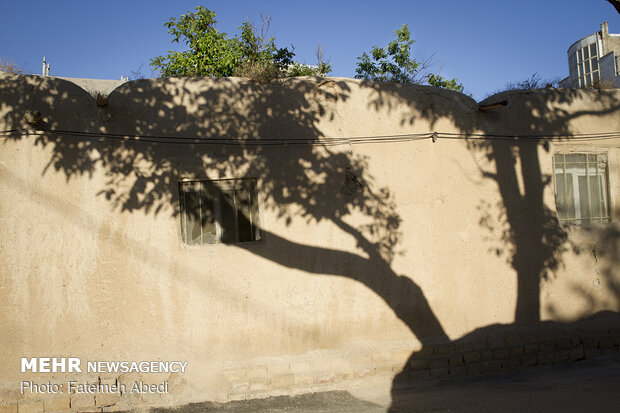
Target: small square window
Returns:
[[581, 182], [219, 211]]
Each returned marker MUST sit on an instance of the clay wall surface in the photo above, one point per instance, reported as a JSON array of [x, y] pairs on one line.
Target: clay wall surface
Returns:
[[405, 233]]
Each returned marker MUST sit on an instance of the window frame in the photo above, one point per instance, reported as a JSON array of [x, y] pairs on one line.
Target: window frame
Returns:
[[215, 191], [590, 77], [605, 193]]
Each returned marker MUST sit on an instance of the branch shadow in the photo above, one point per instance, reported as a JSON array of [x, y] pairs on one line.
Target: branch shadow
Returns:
[[530, 235], [186, 127]]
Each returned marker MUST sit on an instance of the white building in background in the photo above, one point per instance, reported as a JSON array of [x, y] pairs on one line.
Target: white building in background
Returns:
[[593, 60]]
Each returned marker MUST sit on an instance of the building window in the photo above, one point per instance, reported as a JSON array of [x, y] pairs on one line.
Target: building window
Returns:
[[584, 62], [581, 182], [219, 211]]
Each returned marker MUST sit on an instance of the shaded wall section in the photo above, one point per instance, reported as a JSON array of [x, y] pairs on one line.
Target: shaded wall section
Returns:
[[378, 241]]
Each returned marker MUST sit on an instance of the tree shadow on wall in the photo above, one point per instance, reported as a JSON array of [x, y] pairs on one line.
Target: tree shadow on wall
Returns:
[[206, 128], [530, 236], [222, 128]]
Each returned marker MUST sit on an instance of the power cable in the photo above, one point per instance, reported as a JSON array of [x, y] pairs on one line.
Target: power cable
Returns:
[[325, 141]]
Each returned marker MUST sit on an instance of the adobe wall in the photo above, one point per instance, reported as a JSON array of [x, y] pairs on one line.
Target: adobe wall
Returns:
[[386, 254]]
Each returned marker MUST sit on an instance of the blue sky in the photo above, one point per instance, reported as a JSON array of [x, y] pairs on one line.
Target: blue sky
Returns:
[[483, 43]]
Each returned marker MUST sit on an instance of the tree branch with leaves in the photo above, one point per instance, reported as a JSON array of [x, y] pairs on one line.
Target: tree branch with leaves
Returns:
[[394, 63], [213, 53]]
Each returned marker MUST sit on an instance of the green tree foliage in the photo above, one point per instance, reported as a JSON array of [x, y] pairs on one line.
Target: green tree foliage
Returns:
[[322, 68], [300, 69], [213, 53], [395, 64]]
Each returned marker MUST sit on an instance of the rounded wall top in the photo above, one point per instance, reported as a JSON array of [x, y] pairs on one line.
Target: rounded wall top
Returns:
[[582, 43]]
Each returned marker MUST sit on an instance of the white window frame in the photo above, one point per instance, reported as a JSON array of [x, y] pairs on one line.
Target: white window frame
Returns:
[[586, 78], [576, 172]]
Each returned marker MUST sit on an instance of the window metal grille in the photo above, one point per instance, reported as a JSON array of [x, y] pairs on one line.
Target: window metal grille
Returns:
[[581, 187], [219, 211]]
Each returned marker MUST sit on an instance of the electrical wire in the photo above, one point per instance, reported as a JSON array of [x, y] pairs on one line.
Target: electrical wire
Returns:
[[324, 141]]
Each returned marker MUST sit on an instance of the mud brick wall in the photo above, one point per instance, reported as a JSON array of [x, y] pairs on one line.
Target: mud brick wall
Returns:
[[484, 353], [510, 351]]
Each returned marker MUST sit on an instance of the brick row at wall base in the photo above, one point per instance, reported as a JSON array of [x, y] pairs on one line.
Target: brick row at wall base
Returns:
[[66, 403], [503, 350], [510, 352], [491, 352], [79, 403], [64, 399]]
